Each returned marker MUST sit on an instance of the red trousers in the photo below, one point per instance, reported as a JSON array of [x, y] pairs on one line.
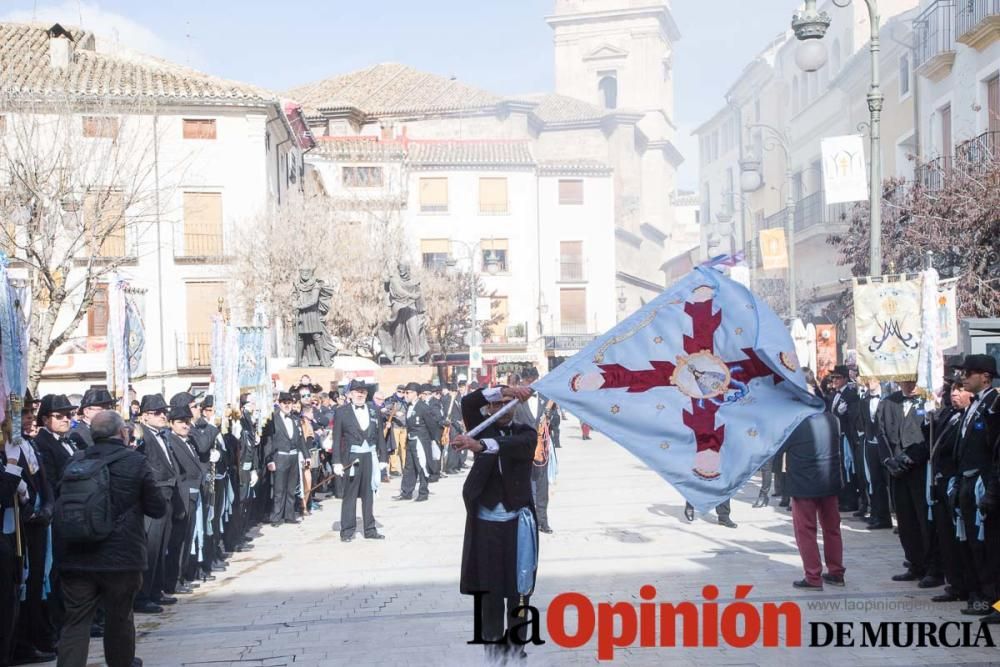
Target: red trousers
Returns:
[[804, 514]]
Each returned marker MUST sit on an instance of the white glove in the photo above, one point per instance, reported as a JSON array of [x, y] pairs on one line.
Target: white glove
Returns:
[[253, 478], [383, 466], [12, 450], [328, 442], [338, 469], [214, 456], [842, 408]]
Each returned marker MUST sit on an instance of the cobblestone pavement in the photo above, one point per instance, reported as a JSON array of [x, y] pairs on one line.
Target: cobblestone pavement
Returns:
[[302, 597]]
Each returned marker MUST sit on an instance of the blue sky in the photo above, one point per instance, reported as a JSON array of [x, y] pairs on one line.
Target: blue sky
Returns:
[[501, 45]]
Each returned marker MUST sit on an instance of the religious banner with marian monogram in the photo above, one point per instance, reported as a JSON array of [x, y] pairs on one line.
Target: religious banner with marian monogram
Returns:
[[887, 324], [702, 384]]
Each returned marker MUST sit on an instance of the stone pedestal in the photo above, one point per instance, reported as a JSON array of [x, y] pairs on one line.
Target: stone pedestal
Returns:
[[349, 368]]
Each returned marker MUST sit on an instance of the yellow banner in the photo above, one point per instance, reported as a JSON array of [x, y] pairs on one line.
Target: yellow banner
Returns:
[[773, 251]]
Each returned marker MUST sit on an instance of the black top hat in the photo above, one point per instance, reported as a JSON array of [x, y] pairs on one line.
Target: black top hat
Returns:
[[152, 403], [183, 398], [427, 389], [401, 387], [462, 383], [952, 361], [978, 363], [97, 398], [451, 386], [413, 386], [357, 385], [285, 397], [208, 401], [179, 412], [840, 371], [52, 403]]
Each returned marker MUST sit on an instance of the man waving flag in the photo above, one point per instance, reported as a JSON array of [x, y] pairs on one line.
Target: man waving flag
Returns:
[[702, 384]]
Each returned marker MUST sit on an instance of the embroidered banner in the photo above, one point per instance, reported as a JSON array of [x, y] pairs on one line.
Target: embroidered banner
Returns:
[[887, 324]]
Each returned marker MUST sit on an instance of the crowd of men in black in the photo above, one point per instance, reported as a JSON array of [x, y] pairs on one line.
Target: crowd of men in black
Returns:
[[187, 489], [936, 470]]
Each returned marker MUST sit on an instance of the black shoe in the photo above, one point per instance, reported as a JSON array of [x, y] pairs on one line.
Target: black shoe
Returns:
[[219, 565], [136, 662], [433, 479], [909, 575], [545, 529], [763, 500], [848, 508], [166, 600], [32, 657], [208, 577], [834, 579], [930, 582], [727, 522], [275, 524], [802, 583], [689, 513], [293, 520], [240, 548], [402, 497], [182, 590], [861, 513], [785, 502], [421, 500], [147, 607], [946, 597], [878, 526], [346, 538], [375, 536]]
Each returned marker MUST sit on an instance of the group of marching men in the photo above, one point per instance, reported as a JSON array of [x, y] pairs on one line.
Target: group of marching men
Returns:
[[937, 470]]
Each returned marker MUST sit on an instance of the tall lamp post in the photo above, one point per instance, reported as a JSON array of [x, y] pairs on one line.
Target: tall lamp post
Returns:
[[810, 26], [492, 267], [751, 180]]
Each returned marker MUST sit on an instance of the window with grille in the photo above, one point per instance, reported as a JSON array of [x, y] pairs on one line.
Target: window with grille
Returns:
[[104, 222], [362, 177], [493, 196], [435, 253], [571, 192], [199, 128], [495, 250], [202, 224], [103, 127], [433, 195], [573, 311], [570, 261]]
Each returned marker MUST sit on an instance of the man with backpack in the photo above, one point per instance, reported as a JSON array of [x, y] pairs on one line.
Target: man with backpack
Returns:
[[105, 493]]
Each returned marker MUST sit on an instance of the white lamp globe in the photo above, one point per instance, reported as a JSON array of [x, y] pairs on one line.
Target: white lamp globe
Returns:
[[810, 55], [750, 180]]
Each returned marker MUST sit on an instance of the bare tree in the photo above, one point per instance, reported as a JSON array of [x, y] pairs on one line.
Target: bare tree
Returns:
[[77, 192], [449, 310]]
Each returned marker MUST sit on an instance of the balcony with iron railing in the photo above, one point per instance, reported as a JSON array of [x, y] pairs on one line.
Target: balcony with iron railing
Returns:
[[973, 157], [977, 23], [200, 244], [571, 269], [934, 37], [194, 350]]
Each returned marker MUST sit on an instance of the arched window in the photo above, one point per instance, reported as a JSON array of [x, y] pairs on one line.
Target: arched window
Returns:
[[608, 88], [795, 93], [835, 60]]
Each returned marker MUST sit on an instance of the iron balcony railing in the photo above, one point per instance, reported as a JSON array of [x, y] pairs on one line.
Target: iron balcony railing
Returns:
[[933, 31], [194, 350], [971, 13]]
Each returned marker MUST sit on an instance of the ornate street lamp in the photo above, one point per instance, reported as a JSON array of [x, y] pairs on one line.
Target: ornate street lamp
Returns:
[[810, 26]]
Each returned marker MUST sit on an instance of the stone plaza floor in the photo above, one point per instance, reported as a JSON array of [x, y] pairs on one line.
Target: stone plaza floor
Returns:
[[302, 597]]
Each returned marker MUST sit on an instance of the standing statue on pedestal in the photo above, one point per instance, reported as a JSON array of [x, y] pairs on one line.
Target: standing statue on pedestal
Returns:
[[312, 303], [403, 338]]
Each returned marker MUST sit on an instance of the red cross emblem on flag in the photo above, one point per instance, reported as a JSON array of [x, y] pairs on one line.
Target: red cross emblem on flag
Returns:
[[699, 373]]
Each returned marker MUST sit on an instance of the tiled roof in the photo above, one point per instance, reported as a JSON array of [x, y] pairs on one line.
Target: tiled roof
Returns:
[[470, 153], [580, 167], [360, 149], [25, 71], [562, 109], [391, 88]]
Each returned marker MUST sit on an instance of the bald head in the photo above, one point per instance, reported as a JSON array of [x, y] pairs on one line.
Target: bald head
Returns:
[[107, 424]]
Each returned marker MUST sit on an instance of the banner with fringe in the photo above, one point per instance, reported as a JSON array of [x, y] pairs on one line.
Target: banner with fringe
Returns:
[[888, 325]]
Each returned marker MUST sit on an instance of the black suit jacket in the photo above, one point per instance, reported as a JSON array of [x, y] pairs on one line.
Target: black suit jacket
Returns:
[[277, 439], [848, 420], [975, 449], [902, 430], [52, 455], [165, 470], [425, 423], [509, 470], [192, 470], [347, 433], [40, 492]]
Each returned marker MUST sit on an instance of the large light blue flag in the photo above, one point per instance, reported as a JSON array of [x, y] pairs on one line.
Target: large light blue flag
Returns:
[[702, 384]]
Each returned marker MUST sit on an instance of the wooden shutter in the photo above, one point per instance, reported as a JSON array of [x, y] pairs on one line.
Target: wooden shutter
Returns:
[[433, 195], [435, 246], [202, 224], [571, 192], [97, 316], [571, 260], [573, 310], [201, 305], [493, 196], [993, 103], [105, 127], [946, 146], [199, 128], [104, 218]]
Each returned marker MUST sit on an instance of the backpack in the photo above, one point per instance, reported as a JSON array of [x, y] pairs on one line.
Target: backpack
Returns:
[[83, 510]]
